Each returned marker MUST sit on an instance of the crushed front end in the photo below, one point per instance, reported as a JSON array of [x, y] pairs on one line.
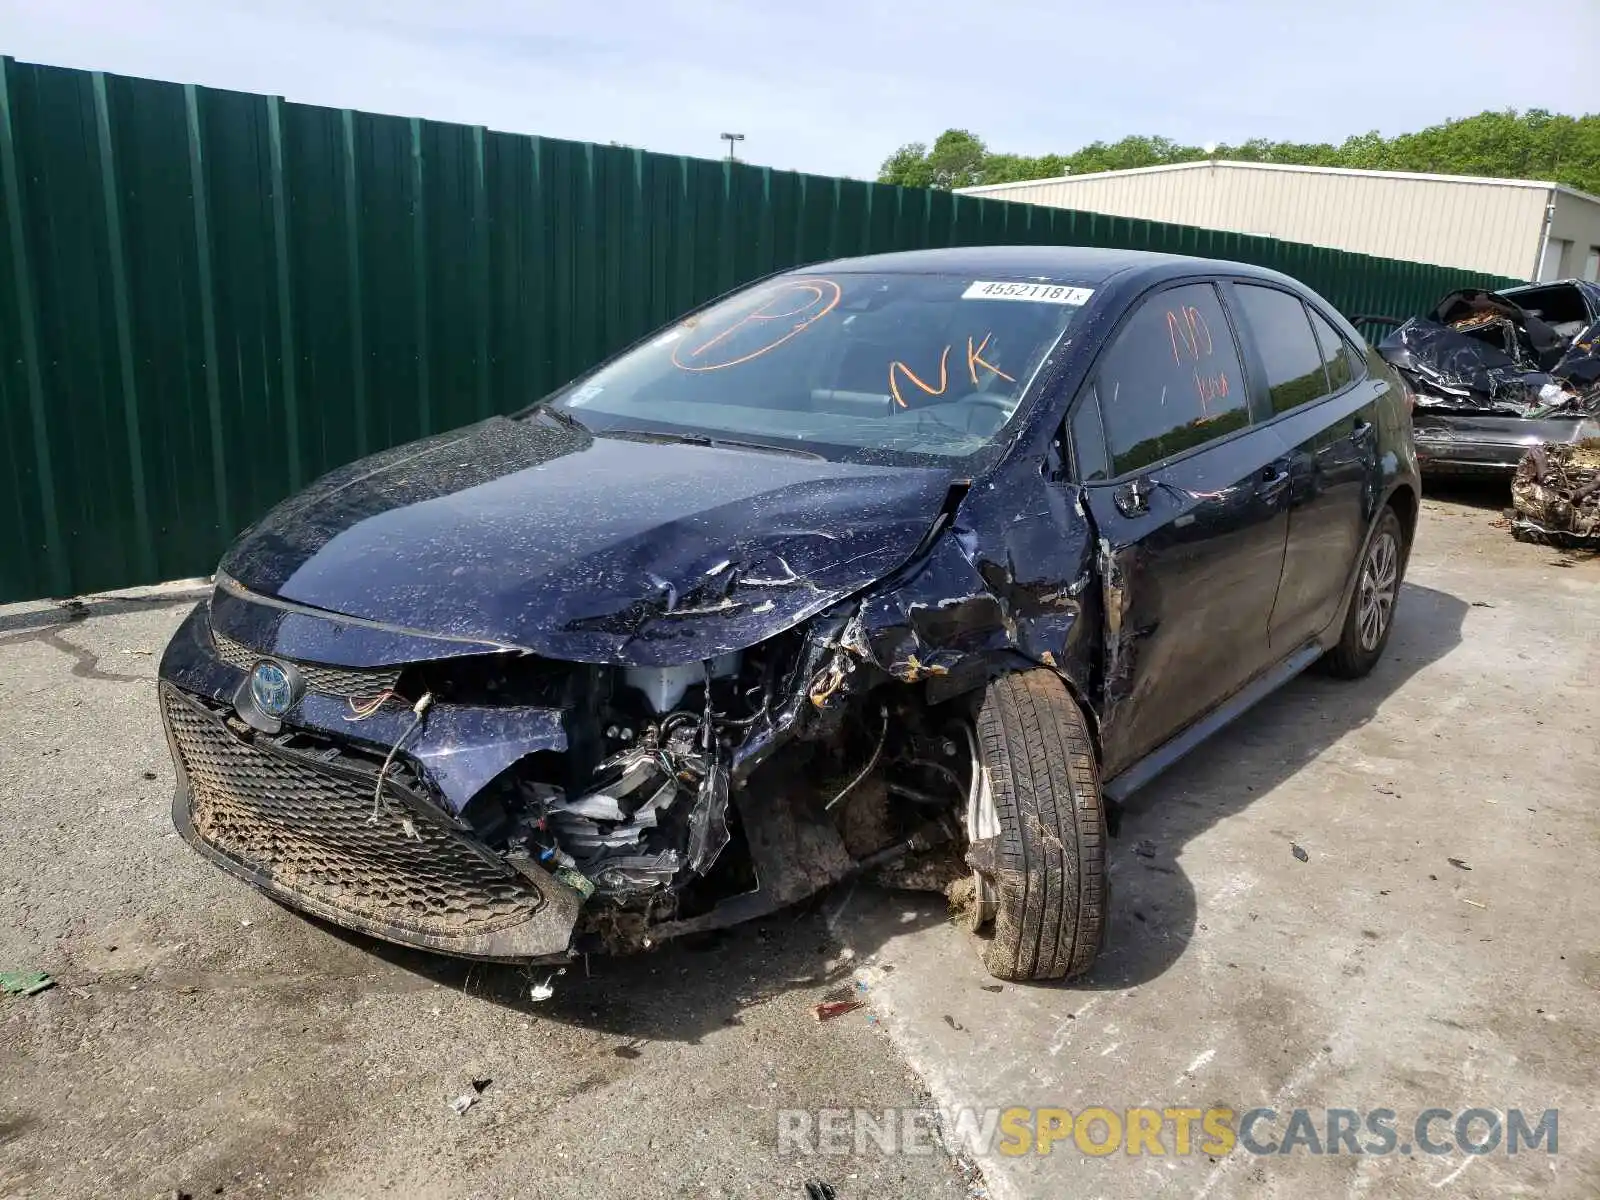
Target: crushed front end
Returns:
[[486, 802]]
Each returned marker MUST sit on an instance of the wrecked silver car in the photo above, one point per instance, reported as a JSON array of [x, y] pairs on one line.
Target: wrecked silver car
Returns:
[[1494, 373], [883, 564]]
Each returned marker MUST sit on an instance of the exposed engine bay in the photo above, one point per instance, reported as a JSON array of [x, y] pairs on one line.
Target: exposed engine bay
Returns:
[[637, 815]]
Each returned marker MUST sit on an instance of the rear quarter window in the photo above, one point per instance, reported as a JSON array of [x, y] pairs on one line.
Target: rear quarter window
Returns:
[[1289, 353], [1171, 380], [1343, 361]]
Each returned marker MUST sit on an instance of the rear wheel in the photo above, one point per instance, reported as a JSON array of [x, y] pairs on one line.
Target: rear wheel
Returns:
[[1038, 831], [1371, 615]]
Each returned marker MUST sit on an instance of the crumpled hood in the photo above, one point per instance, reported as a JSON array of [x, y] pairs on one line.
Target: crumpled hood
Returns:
[[585, 548]]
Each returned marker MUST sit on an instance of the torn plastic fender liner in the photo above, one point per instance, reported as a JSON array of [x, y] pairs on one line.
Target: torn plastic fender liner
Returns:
[[821, 640], [979, 600]]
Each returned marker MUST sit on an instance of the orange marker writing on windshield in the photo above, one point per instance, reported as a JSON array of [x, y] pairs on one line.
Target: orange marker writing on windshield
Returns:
[[894, 386], [975, 357], [791, 309]]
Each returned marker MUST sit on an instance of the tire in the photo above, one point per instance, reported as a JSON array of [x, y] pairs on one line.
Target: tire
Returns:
[[1370, 618], [1047, 871]]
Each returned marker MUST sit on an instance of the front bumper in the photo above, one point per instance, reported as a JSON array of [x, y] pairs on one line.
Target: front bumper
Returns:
[[293, 815]]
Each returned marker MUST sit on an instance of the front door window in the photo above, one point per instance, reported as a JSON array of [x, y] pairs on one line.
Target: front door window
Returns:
[[1172, 379]]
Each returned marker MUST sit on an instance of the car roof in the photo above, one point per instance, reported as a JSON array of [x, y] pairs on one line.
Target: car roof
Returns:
[[1581, 285], [1076, 264], [1536, 286]]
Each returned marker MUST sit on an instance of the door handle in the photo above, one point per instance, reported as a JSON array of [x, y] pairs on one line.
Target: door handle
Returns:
[[1133, 498], [1363, 430], [1272, 483]]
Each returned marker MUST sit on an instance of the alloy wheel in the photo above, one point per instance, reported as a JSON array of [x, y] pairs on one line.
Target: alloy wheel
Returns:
[[1380, 579]]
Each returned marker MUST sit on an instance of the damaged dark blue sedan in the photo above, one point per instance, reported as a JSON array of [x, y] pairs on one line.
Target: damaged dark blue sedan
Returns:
[[910, 565]]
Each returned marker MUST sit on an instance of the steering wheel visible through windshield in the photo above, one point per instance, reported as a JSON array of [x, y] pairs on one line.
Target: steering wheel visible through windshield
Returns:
[[846, 365]]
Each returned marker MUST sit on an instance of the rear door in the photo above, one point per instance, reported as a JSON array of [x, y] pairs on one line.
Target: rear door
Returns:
[[1312, 386], [1192, 529]]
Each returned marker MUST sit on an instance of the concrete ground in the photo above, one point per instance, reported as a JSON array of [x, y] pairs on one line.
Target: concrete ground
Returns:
[[203, 1041], [1375, 974]]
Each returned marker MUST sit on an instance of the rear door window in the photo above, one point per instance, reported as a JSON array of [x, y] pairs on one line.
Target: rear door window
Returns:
[[1344, 364], [1171, 380], [1289, 353]]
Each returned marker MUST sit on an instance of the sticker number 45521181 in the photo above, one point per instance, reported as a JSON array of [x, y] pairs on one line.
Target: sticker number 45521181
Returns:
[[1038, 293]]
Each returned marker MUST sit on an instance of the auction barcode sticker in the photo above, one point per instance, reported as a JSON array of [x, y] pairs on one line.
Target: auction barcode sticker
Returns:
[[1038, 293]]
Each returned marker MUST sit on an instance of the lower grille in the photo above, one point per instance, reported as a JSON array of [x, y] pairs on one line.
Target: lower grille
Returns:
[[304, 824]]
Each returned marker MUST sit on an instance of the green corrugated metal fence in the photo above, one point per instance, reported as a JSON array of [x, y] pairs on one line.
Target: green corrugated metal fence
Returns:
[[207, 298]]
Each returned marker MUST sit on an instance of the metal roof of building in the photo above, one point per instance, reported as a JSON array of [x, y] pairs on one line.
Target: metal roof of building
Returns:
[[1546, 185]]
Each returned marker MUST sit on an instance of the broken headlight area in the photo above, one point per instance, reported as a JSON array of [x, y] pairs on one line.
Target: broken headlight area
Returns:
[[691, 797]]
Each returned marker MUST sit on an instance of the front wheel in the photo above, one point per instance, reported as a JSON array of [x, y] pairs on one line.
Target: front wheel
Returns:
[[1038, 830], [1371, 615]]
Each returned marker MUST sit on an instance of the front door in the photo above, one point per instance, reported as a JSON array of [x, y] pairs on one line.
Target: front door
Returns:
[[1191, 520]]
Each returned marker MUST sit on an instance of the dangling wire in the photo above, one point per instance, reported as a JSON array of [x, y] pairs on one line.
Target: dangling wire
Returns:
[[363, 707], [871, 762], [420, 709]]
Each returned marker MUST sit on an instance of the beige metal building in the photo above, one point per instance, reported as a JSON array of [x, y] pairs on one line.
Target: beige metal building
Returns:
[[1516, 227]]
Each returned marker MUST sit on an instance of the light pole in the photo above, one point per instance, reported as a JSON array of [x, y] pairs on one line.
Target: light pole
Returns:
[[731, 138]]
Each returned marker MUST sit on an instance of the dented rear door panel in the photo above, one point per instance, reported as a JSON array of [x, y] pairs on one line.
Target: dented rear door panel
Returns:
[[1334, 485]]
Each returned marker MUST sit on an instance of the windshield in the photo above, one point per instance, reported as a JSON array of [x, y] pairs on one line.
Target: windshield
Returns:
[[898, 367]]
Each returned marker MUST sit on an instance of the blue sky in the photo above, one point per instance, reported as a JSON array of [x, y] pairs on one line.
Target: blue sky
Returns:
[[834, 86]]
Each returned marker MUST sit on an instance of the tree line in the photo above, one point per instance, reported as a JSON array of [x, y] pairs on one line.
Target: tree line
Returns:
[[1534, 144]]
